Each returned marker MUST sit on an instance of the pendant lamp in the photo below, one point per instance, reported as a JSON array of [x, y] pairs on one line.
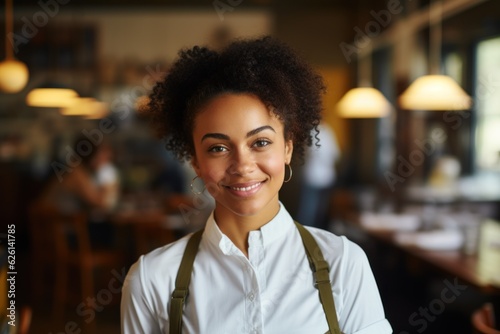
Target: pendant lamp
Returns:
[[51, 97], [364, 101], [87, 107], [435, 91], [13, 73]]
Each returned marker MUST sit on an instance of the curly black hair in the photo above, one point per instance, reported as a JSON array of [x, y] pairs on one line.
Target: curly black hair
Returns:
[[262, 67]]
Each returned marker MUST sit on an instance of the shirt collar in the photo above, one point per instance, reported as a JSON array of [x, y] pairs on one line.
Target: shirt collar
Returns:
[[275, 228]]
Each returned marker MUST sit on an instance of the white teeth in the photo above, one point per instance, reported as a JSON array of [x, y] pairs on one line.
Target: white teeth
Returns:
[[246, 188]]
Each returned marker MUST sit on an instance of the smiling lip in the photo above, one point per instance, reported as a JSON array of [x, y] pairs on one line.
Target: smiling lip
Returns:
[[245, 189]]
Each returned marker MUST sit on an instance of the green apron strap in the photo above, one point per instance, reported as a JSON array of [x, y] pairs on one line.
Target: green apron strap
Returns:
[[182, 283], [322, 277], [314, 255]]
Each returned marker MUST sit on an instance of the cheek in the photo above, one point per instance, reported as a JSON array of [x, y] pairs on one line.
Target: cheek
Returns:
[[273, 166], [212, 174]]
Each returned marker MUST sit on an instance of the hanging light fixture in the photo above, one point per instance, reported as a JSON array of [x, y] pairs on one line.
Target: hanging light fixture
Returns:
[[13, 73], [87, 107], [51, 97], [435, 91], [365, 101]]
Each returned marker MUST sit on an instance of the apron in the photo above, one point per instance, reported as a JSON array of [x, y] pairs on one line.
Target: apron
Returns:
[[318, 265]]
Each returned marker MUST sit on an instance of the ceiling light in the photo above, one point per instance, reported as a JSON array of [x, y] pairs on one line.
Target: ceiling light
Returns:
[[435, 91], [51, 97], [363, 102], [14, 74], [87, 107]]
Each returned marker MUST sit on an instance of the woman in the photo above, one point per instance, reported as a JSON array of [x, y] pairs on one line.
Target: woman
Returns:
[[238, 115]]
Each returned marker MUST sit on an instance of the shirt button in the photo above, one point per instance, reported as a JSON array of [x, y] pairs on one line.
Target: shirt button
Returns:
[[251, 296]]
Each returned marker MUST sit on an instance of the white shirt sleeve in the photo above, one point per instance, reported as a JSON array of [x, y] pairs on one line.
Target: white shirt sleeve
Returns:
[[137, 316], [362, 310]]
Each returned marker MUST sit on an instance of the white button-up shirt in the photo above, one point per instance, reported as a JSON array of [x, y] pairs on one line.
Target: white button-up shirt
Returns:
[[271, 291]]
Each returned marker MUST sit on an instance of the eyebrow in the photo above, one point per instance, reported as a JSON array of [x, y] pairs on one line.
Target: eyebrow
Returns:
[[249, 133]]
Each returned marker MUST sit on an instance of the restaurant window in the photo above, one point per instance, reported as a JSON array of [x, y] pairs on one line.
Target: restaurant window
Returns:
[[487, 102]]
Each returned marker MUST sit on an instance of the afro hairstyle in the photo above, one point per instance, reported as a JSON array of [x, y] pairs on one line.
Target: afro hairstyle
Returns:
[[263, 67]]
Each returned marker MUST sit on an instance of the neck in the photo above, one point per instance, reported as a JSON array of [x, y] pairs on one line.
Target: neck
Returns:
[[237, 227]]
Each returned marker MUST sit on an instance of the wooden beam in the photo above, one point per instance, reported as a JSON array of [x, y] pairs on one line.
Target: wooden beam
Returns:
[[417, 21]]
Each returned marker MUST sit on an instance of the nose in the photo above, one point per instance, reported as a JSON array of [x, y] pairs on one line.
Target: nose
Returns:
[[241, 163]]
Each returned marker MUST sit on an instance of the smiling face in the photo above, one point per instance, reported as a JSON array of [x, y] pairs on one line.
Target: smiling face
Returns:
[[240, 153]]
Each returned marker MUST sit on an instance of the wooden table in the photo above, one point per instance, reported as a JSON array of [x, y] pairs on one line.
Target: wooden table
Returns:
[[452, 263], [149, 220]]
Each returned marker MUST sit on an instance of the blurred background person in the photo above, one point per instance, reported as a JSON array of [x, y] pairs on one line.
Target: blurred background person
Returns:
[[91, 187], [107, 176], [318, 179]]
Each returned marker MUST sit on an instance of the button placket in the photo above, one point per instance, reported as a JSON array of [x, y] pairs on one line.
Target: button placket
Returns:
[[252, 303], [254, 268]]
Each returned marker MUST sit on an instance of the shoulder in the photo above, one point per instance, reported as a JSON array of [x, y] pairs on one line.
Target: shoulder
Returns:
[[338, 250], [166, 258], [151, 279], [329, 240], [158, 266], [147, 288]]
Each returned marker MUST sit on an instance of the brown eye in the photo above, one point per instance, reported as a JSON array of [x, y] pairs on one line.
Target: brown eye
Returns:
[[217, 149], [261, 143]]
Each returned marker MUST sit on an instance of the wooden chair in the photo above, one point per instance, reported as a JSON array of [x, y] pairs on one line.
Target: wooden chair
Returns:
[[43, 250], [483, 320], [73, 253]]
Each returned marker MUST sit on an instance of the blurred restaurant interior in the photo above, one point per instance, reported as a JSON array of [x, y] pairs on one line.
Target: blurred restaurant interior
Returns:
[[412, 99]]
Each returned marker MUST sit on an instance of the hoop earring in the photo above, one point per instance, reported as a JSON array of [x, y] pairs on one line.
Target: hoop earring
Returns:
[[193, 190], [291, 173]]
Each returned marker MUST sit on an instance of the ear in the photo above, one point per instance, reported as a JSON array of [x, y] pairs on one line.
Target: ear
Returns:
[[195, 165], [288, 151]]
